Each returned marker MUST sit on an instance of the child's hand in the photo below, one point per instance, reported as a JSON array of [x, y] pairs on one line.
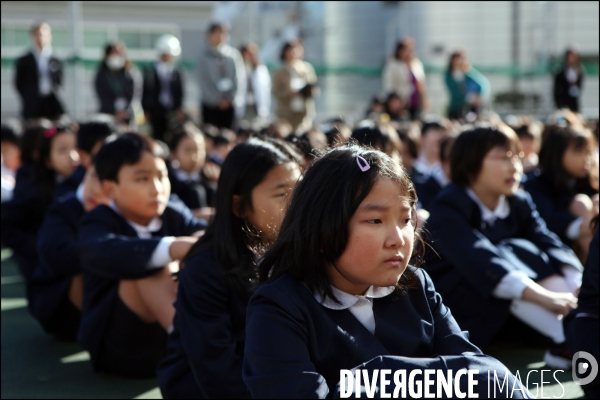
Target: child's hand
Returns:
[[180, 246], [557, 302], [206, 213], [560, 303]]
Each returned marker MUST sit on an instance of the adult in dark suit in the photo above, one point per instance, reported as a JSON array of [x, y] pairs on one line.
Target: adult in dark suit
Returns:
[[162, 97], [568, 82], [39, 76]]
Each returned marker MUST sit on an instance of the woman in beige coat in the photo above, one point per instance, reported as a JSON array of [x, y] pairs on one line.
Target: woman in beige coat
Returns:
[[294, 88]]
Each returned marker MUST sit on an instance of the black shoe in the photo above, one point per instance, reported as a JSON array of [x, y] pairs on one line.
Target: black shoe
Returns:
[[558, 356]]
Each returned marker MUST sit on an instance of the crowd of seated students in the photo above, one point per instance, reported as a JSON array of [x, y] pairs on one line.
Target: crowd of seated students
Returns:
[[148, 253]]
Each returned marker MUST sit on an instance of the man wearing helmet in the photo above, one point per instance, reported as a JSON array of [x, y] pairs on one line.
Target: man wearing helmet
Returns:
[[222, 79], [162, 97]]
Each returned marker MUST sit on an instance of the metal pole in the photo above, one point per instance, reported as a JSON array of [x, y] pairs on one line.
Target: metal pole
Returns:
[[516, 44], [76, 15]]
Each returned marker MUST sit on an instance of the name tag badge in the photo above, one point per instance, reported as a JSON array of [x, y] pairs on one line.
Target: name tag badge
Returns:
[[120, 104], [573, 91], [224, 84], [297, 104]]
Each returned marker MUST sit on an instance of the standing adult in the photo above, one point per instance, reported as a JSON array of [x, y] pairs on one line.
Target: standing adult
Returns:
[[568, 82], [222, 79], [466, 86], [39, 77], [162, 96], [116, 84], [258, 88], [294, 87], [404, 74]]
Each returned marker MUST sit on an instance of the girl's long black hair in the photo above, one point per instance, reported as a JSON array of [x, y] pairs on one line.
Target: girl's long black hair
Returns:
[[556, 141], [243, 169], [315, 230]]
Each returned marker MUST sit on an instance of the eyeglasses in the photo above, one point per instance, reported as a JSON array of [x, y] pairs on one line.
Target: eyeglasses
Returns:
[[510, 158]]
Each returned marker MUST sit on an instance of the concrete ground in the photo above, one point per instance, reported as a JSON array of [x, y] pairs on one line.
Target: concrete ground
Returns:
[[34, 365]]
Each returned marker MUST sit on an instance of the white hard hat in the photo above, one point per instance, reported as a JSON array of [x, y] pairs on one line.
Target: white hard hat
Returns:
[[168, 44]]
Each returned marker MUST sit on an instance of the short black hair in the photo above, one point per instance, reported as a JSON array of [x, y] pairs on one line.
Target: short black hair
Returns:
[[126, 149], [286, 46], [371, 134], [432, 125], [472, 145], [315, 229], [90, 133], [10, 135], [217, 25], [187, 129]]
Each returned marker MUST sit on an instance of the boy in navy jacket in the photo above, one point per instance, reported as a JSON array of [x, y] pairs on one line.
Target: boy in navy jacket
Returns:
[[125, 250]]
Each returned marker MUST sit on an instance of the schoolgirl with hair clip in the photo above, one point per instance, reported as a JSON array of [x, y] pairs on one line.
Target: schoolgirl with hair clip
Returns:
[[55, 159], [338, 291]]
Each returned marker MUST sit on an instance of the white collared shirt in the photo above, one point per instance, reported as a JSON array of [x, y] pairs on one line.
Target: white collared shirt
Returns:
[[488, 216], [360, 306], [187, 176], [42, 57], [424, 166], [160, 256], [79, 193]]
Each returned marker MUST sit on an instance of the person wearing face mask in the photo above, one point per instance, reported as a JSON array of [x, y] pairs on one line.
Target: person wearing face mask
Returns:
[[162, 96], [115, 83], [222, 79], [38, 77]]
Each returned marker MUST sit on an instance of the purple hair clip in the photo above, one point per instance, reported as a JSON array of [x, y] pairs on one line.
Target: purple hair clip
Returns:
[[50, 132], [362, 164]]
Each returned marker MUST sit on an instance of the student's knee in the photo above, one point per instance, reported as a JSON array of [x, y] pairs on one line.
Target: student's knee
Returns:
[[581, 205], [130, 295], [76, 291]]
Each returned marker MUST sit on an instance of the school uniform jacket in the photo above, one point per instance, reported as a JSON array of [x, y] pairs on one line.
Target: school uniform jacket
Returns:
[[553, 207], [206, 349], [58, 249], [22, 217], [474, 256], [112, 251], [195, 194], [71, 183], [295, 347]]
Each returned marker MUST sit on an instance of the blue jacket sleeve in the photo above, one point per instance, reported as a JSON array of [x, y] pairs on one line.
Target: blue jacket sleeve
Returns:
[[556, 218], [276, 356], [475, 257], [17, 217], [58, 246], [537, 232], [448, 339], [204, 322], [110, 255]]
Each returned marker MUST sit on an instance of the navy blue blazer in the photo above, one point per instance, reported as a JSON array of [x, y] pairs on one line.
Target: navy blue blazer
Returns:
[[295, 347], [22, 218], [427, 190], [112, 251], [71, 183], [472, 257], [206, 349], [58, 249], [553, 207], [193, 194]]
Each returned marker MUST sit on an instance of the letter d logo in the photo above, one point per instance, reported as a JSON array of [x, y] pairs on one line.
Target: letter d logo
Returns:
[[583, 367]]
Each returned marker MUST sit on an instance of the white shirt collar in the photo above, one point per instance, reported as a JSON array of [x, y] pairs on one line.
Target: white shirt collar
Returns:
[[141, 230], [348, 300], [79, 193], [187, 176], [501, 211], [424, 166]]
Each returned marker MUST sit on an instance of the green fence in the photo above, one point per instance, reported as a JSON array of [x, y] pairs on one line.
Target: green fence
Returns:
[[540, 69]]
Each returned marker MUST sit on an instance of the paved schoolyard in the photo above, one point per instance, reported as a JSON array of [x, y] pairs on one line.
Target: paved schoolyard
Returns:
[[34, 365]]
